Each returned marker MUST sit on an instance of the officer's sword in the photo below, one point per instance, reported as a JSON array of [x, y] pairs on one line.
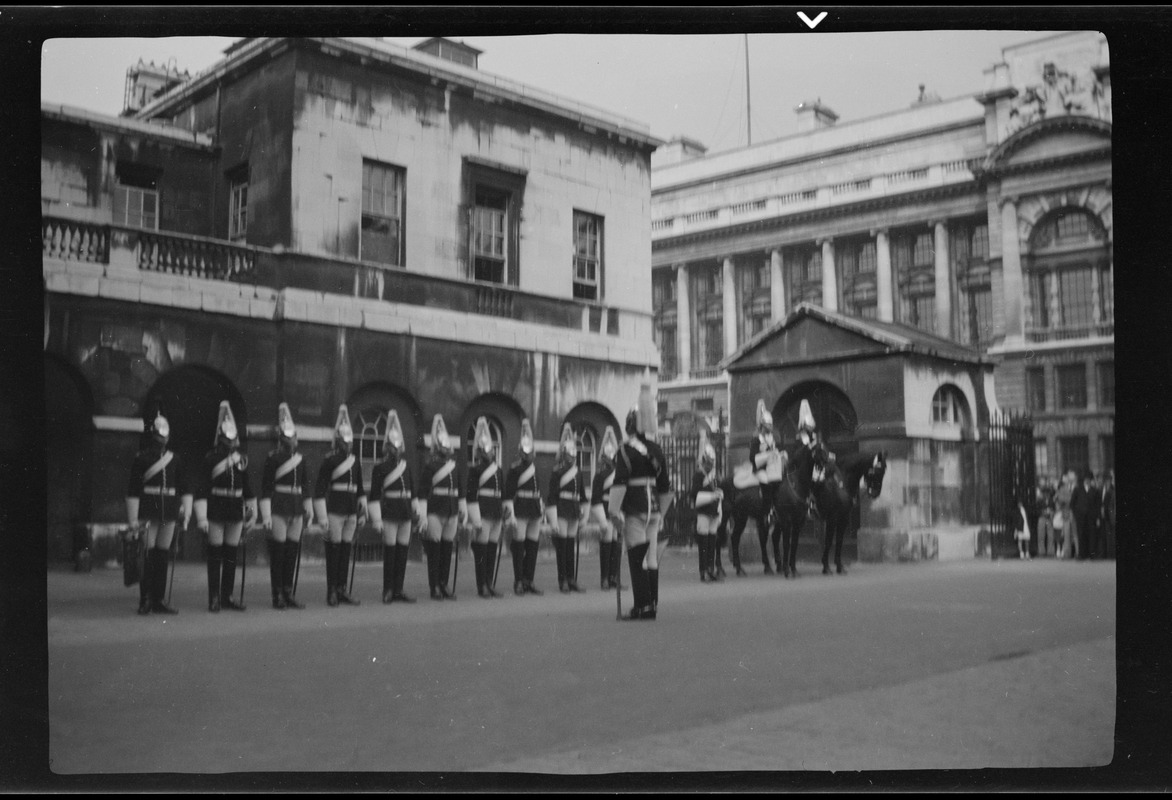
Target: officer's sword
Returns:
[[618, 585]]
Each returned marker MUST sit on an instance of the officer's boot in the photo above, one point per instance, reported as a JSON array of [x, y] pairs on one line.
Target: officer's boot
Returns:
[[478, 567], [717, 544], [652, 592], [490, 563], [215, 558], [390, 553], [517, 549], [288, 571], [144, 581], [228, 580], [331, 573], [159, 584], [702, 556], [277, 571], [559, 549], [616, 565], [604, 565], [345, 552], [531, 546], [447, 547], [401, 573], [431, 551], [639, 588]]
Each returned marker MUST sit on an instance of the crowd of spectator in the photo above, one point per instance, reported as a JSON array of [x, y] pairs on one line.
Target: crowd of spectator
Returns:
[[1076, 518]]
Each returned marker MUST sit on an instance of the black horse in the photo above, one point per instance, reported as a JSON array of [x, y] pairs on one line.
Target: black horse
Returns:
[[836, 490], [789, 513]]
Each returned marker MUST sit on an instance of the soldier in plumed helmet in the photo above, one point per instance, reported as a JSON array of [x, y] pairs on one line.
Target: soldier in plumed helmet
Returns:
[[707, 497], [444, 507], [523, 506], [639, 498], [157, 498], [392, 506], [608, 546], [285, 505], [484, 486], [566, 505], [224, 504], [339, 503]]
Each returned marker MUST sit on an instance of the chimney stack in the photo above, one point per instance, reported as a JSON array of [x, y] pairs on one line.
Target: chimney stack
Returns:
[[812, 115]]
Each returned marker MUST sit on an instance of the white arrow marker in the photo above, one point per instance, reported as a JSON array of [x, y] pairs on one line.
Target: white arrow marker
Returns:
[[813, 23]]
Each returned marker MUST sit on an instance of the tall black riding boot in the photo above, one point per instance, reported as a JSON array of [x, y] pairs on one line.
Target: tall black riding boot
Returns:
[[490, 566], [215, 558], [401, 573], [228, 579], [717, 544], [517, 549], [604, 565], [447, 547], [277, 571], [531, 546], [702, 556], [159, 583], [331, 573], [572, 564], [616, 565], [639, 587], [478, 551], [431, 550], [144, 581], [389, 556], [288, 572], [559, 549], [345, 552], [653, 590]]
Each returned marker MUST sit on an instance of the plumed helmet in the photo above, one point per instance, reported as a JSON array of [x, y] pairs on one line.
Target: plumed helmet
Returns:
[[226, 432], [286, 430], [764, 418], [483, 437], [806, 425], [394, 439], [159, 428], [440, 441], [343, 430], [610, 445], [526, 445], [707, 452], [567, 445], [633, 425]]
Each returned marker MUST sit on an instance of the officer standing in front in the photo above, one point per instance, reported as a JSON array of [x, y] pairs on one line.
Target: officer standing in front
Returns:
[[285, 505], [608, 546], [224, 504], [641, 479], [522, 503], [706, 499], [483, 495], [392, 508], [764, 455], [156, 498], [566, 505], [339, 503], [444, 508]]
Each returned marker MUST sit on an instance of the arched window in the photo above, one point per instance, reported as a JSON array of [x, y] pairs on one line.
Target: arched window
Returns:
[[950, 408], [496, 431], [1070, 282], [587, 442], [370, 433]]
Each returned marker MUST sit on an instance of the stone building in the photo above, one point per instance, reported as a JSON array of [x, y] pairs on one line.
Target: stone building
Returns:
[[983, 220], [337, 220]]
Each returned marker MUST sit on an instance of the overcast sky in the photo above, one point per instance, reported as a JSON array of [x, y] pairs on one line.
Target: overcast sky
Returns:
[[690, 85]]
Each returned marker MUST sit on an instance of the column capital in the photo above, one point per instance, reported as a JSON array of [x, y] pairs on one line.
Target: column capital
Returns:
[[937, 222], [877, 232], [1008, 200], [824, 240]]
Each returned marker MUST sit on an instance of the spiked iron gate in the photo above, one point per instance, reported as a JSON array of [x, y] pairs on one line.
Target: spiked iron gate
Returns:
[[1011, 472]]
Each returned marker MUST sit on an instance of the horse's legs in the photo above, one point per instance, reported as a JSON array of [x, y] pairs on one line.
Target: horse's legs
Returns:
[[827, 539], [734, 545], [763, 538], [839, 535], [789, 544], [782, 564]]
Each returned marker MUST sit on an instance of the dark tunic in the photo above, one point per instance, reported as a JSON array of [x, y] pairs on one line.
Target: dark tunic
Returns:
[[522, 488], [225, 484], [643, 470], [154, 480], [705, 482], [392, 487], [567, 491], [600, 491], [339, 483], [440, 484], [485, 485], [284, 483]]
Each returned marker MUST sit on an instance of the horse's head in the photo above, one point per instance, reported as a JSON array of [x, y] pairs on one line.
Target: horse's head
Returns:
[[873, 477]]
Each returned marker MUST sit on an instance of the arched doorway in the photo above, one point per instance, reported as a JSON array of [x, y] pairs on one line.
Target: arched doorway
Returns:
[[504, 417], [589, 422], [189, 397], [834, 414], [369, 409], [69, 432]]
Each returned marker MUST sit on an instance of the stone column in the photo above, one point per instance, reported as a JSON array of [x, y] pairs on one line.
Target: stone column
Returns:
[[777, 305], [1011, 272], [683, 322], [883, 282], [729, 308], [829, 278], [943, 283]]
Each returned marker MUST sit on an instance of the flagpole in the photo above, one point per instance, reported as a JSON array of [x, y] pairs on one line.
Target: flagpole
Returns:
[[748, 101]]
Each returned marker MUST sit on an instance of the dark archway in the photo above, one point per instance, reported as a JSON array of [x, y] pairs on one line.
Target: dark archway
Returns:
[[369, 407], [69, 443], [504, 414], [834, 414], [589, 422], [189, 397]]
